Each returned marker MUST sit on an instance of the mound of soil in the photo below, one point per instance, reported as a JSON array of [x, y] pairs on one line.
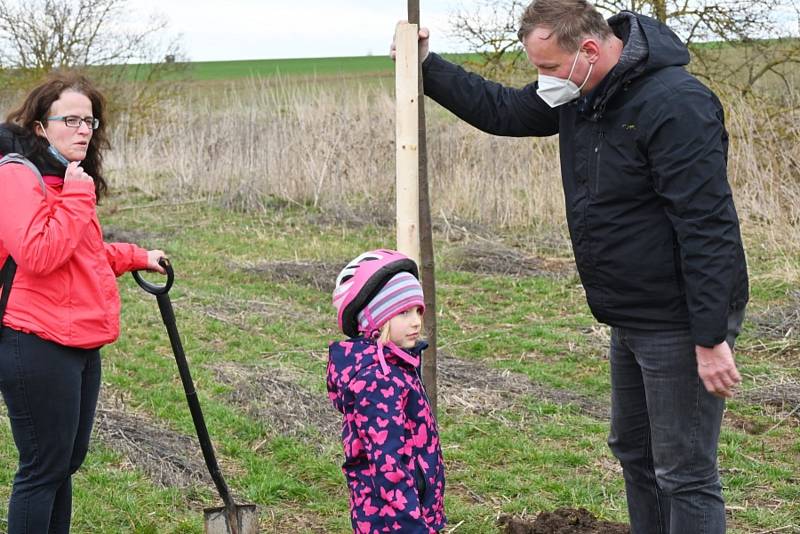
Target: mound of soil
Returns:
[[562, 521]]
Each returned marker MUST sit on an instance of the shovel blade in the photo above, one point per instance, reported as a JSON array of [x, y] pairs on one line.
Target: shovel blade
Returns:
[[216, 520]]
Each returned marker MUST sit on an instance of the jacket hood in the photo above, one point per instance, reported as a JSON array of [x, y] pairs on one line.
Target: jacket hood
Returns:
[[648, 39], [648, 45], [347, 358]]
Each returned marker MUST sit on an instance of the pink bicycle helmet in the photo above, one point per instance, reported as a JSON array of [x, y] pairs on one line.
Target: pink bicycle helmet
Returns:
[[362, 279]]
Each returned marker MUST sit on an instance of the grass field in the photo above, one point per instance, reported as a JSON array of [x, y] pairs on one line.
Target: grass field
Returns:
[[523, 382], [378, 65]]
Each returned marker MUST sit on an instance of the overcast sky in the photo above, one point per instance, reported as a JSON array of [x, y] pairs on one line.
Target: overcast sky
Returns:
[[264, 29]]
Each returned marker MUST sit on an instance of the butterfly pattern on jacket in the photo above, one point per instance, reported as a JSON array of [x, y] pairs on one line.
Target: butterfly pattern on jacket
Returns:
[[393, 459]]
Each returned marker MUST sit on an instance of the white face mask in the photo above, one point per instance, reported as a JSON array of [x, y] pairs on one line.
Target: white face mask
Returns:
[[557, 91]]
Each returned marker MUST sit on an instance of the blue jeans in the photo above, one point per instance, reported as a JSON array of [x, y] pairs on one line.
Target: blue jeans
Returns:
[[664, 431], [51, 394]]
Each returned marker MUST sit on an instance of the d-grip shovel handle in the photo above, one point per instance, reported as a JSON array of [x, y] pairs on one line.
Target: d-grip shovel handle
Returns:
[[168, 315], [153, 288]]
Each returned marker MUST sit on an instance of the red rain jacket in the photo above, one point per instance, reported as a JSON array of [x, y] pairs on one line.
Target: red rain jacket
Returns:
[[65, 289]]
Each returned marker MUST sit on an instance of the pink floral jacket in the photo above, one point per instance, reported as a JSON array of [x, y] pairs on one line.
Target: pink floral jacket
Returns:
[[393, 460]]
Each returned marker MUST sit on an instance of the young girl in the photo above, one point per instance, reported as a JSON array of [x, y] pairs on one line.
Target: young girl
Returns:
[[393, 461]]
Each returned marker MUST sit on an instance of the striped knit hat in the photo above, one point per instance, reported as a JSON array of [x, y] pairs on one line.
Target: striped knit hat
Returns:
[[402, 292]]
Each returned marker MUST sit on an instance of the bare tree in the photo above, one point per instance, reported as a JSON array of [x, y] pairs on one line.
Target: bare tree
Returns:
[[123, 51], [489, 27], [741, 44], [47, 34]]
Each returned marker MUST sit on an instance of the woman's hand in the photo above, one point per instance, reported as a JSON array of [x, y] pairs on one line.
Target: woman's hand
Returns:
[[75, 173], [153, 257]]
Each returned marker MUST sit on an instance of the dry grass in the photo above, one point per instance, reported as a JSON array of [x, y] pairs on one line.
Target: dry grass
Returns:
[[332, 147]]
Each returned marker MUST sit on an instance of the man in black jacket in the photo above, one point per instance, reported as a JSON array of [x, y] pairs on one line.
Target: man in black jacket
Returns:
[[654, 231]]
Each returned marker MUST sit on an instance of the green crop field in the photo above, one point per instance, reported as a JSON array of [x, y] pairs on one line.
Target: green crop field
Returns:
[[332, 67], [339, 66]]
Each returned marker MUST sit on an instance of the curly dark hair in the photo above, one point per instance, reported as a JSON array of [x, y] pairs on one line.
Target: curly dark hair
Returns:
[[36, 108]]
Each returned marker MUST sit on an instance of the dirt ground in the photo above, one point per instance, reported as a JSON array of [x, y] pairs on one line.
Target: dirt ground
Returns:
[[276, 396], [561, 521], [481, 256], [169, 458], [479, 389], [489, 256]]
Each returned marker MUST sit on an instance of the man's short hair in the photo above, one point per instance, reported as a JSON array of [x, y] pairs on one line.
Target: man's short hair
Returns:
[[570, 21]]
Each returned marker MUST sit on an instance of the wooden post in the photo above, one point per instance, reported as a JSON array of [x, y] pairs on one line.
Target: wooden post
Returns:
[[407, 139], [427, 267]]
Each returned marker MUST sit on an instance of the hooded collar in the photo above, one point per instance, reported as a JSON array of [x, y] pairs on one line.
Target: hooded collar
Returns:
[[648, 45]]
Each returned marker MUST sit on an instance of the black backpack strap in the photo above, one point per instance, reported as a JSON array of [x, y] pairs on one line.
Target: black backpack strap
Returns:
[[10, 266], [9, 270]]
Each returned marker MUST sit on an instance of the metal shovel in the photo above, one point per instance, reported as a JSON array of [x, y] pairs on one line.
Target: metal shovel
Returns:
[[232, 518]]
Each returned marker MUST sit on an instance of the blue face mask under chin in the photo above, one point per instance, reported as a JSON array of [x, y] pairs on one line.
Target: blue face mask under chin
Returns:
[[58, 155]]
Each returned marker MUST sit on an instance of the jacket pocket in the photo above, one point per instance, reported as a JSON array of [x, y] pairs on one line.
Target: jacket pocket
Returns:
[[422, 486]]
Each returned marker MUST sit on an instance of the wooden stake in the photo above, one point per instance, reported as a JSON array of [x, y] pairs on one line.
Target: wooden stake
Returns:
[[407, 139]]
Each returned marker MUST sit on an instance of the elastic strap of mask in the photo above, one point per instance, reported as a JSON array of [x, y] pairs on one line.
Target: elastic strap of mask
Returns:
[[591, 66]]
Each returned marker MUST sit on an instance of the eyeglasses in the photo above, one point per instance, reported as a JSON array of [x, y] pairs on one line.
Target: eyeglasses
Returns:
[[73, 121]]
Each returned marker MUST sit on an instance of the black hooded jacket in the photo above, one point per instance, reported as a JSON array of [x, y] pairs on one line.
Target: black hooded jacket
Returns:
[[644, 166]]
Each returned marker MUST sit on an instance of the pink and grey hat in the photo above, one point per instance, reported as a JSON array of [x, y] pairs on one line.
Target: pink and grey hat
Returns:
[[367, 293], [402, 292]]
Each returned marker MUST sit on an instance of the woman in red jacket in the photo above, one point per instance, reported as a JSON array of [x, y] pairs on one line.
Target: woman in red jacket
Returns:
[[64, 303]]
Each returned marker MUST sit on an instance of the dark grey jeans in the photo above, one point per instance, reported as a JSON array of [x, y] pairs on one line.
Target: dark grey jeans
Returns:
[[664, 431], [51, 394]]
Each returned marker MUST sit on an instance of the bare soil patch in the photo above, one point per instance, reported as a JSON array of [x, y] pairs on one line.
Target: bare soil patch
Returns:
[[780, 398], [778, 322], [479, 389], [169, 458], [142, 238], [355, 216], [494, 257], [275, 397], [242, 312], [562, 521], [316, 274], [777, 332]]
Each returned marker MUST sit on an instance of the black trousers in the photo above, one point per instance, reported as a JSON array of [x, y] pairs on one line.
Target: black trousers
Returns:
[[51, 393]]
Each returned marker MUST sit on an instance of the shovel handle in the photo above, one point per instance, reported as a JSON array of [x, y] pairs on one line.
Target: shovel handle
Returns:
[[153, 288], [168, 315]]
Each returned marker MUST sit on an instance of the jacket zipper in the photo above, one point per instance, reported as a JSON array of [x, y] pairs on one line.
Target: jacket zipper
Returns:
[[419, 474], [597, 151]]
